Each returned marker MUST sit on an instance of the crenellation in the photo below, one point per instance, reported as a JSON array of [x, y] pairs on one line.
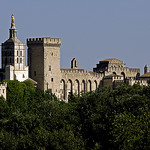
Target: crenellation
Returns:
[[49, 40], [44, 68]]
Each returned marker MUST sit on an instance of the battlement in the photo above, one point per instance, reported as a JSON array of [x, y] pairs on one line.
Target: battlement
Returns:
[[45, 41], [80, 71], [35, 40], [69, 70], [124, 69], [134, 69]]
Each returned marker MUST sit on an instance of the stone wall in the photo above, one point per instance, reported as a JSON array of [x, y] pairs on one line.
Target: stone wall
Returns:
[[75, 81]]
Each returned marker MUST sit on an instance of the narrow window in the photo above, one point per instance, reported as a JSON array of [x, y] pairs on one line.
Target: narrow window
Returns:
[[34, 73], [17, 60], [20, 53], [3, 90], [5, 60], [49, 68], [52, 79], [17, 53], [75, 64], [20, 60]]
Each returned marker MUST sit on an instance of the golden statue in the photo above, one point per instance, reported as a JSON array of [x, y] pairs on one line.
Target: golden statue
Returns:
[[12, 21]]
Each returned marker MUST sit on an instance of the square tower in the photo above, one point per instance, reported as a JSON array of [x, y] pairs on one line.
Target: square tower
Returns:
[[13, 57], [44, 62]]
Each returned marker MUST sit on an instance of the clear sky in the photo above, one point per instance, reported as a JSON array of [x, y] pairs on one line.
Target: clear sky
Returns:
[[90, 30]]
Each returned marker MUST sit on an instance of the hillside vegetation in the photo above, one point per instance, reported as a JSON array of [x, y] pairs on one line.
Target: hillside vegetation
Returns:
[[104, 119]]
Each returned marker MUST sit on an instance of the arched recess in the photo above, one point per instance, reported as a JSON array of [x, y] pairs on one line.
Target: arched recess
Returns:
[[137, 75], [83, 86], [95, 85], [124, 76], [69, 87], [76, 87], [89, 86], [62, 89], [114, 73]]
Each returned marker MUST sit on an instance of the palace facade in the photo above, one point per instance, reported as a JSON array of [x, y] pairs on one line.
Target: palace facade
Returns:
[[44, 68]]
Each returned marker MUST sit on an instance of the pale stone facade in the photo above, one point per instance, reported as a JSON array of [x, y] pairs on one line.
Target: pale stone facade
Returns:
[[13, 58], [3, 87], [45, 71], [44, 67]]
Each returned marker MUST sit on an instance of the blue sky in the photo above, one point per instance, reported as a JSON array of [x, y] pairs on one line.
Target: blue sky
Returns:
[[90, 30]]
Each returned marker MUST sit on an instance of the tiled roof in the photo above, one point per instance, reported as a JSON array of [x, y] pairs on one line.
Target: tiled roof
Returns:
[[146, 75], [111, 59]]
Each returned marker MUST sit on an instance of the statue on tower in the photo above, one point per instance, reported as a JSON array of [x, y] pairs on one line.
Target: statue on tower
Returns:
[[12, 21]]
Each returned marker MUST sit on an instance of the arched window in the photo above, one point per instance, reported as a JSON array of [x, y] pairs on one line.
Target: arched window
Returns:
[[95, 85], [83, 86], [89, 86], [122, 73], [69, 88], [62, 88], [76, 87], [20, 60]]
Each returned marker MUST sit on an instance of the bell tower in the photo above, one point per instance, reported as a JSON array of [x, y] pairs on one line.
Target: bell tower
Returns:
[[13, 56]]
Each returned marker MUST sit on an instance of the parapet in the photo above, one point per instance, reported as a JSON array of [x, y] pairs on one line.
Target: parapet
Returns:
[[81, 71], [47, 41]]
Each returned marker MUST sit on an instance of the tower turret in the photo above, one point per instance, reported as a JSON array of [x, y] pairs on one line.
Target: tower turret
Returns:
[[146, 69]]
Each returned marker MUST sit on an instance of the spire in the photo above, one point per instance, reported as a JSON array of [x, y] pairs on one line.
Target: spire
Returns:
[[12, 30], [12, 21]]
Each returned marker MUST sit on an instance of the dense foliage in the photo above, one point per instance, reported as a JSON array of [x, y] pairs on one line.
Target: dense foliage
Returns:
[[104, 119]]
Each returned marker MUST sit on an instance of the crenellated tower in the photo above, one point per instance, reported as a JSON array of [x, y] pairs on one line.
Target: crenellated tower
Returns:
[[44, 62]]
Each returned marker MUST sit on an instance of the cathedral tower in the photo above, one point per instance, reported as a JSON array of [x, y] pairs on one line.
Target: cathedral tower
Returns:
[[13, 56]]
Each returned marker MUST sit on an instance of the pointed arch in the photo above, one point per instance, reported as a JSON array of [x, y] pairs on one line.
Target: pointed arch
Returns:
[[76, 87], [69, 87], [89, 86], [62, 88], [95, 85], [83, 86]]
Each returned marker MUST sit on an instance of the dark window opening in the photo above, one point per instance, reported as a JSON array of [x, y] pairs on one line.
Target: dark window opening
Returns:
[[52, 79], [49, 68], [34, 73]]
